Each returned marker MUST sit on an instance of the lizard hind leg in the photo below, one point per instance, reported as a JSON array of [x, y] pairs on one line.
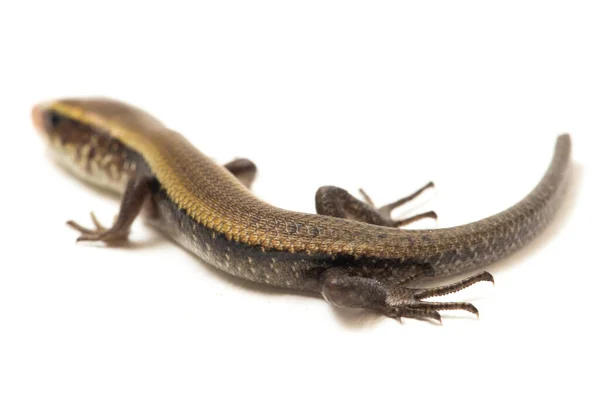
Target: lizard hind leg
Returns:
[[243, 169], [342, 289], [337, 202]]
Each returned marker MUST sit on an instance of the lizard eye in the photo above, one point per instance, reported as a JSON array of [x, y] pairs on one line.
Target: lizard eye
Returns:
[[52, 120]]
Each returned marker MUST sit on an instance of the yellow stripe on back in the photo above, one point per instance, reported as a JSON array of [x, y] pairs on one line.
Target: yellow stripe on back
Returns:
[[167, 153]]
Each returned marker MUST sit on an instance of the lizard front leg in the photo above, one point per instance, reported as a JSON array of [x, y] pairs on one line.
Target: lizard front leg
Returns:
[[136, 192]]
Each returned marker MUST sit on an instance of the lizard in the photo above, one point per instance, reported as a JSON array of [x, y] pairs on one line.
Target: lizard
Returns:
[[350, 252]]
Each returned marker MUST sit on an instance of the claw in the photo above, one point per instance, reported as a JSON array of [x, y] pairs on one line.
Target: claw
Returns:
[[388, 208], [427, 306], [85, 238], [430, 310], [386, 211], [98, 225], [106, 237], [408, 302], [366, 197], [454, 287], [101, 233], [433, 315], [79, 228], [399, 313], [415, 218]]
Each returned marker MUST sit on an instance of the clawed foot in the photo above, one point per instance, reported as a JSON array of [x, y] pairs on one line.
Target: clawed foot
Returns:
[[407, 302], [343, 289], [386, 211], [101, 233]]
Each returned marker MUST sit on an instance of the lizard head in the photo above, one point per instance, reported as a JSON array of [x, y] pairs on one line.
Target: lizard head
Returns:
[[81, 144]]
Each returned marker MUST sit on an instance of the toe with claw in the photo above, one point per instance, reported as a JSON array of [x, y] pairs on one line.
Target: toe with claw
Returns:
[[386, 210], [101, 233], [408, 302]]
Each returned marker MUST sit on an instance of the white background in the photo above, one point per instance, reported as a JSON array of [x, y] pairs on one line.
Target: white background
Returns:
[[380, 95]]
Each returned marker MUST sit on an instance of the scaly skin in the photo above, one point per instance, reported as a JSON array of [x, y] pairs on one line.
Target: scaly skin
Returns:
[[209, 211]]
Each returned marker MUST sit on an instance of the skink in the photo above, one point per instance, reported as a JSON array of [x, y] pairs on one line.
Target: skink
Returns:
[[350, 252]]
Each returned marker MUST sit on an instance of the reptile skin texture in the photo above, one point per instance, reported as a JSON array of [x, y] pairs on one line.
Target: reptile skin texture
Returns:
[[208, 210]]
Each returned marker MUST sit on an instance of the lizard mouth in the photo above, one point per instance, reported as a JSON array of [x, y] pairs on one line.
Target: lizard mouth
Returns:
[[40, 116]]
